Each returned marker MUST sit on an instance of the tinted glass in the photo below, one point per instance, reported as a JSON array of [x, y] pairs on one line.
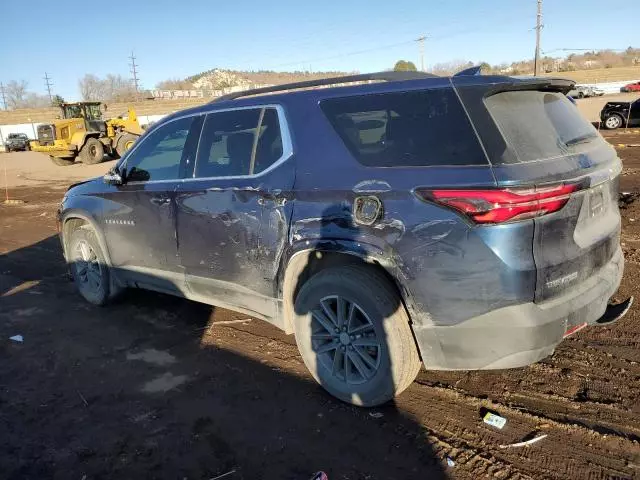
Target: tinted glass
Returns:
[[269, 147], [227, 144], [540, 125], [417, 128], [159, 155]]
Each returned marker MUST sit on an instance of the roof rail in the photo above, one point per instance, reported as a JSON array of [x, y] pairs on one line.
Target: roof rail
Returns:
[[386, 76]]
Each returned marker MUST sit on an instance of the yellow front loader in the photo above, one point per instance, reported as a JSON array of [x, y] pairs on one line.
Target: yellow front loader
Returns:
[[81, 133]]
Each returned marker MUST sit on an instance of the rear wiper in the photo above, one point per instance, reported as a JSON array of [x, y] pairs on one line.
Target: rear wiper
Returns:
[[580, 139]]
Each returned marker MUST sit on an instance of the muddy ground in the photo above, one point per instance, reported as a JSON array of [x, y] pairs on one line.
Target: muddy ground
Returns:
[[152, 387]]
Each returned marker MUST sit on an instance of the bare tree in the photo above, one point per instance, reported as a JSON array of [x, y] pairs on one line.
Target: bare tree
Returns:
[[174, 84], [108, 89], [91, 88], [15, 92]]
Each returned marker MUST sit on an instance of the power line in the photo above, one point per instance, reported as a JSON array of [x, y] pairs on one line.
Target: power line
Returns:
[[4, 99], [48, 84], [134, 72], [536, 59]]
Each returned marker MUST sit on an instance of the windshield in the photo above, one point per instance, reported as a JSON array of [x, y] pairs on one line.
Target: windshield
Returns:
[[93, 112]]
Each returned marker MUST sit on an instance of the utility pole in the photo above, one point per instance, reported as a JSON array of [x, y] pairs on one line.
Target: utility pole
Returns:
[[134, 72], [536, 60], [47, 82], [420, 41], [4, 99]]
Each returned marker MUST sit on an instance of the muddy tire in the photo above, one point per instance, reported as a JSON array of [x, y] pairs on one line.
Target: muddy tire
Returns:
[[125, 142], [92, 152], [88, 267], [613, 121], [61, 162], [354, 336]]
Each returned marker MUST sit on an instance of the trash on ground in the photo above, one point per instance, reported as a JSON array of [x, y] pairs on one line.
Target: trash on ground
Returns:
[[494, 420], [376, 414], [525, 443], [229, 322], [17, 338], [450, 462], [223, 475], [320, 476]]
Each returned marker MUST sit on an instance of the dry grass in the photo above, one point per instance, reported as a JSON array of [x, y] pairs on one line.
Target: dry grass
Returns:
[[600, 75]]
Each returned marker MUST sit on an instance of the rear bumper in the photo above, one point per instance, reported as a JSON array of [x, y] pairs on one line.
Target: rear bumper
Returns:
[[518, 335]]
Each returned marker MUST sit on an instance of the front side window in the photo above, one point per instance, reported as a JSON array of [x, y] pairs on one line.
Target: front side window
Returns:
[[239, 143], [159, 155]]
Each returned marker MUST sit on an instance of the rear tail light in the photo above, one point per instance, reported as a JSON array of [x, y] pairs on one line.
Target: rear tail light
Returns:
[[503, 205]]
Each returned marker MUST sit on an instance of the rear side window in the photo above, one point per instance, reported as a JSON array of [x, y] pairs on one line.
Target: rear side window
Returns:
[[417, 128], [239, 142], [540, 125]]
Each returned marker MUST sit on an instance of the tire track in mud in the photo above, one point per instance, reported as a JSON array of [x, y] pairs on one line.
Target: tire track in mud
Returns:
[[595, 440], [569, 451]]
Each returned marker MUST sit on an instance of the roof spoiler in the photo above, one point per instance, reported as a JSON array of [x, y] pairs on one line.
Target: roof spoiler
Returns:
[[470, 72], [384, 76]]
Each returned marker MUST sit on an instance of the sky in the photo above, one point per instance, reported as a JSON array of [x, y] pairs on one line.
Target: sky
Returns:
[[175, 39]]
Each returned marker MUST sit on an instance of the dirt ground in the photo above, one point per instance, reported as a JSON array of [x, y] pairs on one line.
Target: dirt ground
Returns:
[[155, 387]]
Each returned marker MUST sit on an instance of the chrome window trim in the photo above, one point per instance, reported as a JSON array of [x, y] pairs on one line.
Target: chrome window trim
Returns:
[[146, 138], [287, 145], [285, 134]]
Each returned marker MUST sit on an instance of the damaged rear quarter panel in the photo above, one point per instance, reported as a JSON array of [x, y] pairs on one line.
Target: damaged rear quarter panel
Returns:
[[447, 269]]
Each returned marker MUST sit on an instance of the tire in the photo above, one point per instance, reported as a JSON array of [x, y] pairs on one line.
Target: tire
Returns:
[[580, 95], [613, 121], [88, 266], [92, 152], [379, 329], [125, 142], [61, 162]]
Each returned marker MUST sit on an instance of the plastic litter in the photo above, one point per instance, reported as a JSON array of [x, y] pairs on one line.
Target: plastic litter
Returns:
[[494, 420], [17, 338], [376, 414], [320, 476], [450, 462], [525, 443]]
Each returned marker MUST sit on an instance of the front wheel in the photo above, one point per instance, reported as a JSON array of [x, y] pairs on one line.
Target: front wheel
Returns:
[[613, 121], [61, 162], [92, 152], [354, 336], [88, 266]]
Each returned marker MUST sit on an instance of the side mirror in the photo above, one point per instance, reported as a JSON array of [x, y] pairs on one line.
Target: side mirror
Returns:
[[113, 177]]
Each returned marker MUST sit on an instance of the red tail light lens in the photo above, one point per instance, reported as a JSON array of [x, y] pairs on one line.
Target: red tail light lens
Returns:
[[503, 205]]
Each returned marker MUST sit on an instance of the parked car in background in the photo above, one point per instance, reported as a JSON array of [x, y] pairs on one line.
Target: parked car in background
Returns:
[[617, 114], [631, 87], [17, 141], [466, 222], [580, 91], [596, 92]]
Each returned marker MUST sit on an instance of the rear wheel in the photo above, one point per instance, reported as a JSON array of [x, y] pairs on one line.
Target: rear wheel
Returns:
[[88, 266], [354, 337], [61, 162], [125, 142], [613, 121], [92, 152]]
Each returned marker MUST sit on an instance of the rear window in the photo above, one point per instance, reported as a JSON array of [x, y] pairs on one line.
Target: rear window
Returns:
[[417, 128], [540, 125]]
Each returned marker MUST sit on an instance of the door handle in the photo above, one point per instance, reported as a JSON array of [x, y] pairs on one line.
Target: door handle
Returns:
[[160, 201]]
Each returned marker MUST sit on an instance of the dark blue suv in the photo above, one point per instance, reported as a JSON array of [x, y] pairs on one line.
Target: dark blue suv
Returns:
[[399, 219]]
